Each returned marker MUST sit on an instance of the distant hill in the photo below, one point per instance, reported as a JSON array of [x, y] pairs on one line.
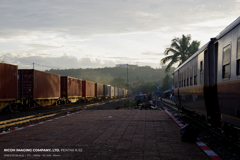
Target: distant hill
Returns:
[[105, 75]]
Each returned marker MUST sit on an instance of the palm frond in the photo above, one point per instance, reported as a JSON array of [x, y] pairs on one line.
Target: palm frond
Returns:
[[170, 50], [166, 59], [182, 49], [174, 60]]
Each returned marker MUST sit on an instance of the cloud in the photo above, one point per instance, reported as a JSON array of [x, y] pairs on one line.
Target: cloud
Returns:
[[47, 62], [131, 31], [41, 46], [152, 53], [124, 58], [65, 61], [91, 17]]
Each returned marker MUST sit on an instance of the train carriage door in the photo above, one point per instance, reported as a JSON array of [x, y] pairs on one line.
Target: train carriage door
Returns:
[[177, 95], [210, 84]]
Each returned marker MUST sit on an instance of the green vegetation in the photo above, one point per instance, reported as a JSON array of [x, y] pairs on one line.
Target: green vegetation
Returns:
[[141, 79], [148, 87], [167, 83], [182, 49], [119, 82]]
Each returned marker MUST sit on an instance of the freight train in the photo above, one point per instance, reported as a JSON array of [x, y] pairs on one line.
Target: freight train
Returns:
[[27, 88], [208, 83]]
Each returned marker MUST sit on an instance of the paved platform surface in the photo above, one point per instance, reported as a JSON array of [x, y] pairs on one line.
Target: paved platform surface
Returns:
[[104, 134]]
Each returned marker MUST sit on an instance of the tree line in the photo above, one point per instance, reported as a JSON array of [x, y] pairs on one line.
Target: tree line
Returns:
[[141, 78]]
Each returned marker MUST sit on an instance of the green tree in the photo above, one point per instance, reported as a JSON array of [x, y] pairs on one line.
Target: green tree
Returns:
[[147, 87], [104, 80], [181, 49], [166, 83], [119, 82]]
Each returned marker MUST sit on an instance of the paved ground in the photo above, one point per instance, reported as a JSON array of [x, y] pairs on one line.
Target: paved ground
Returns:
[[128, 134]]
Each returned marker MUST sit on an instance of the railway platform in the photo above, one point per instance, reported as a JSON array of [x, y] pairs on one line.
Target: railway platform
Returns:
[[102, 134]]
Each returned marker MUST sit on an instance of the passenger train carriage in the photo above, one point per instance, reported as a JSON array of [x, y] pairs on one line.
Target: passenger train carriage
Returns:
[[208, 83]]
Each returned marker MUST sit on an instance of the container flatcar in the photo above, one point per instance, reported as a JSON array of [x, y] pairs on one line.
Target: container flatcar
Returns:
[[38, 88], [99, 94], [107, 91], [115, 92], [129, 93], [8, 85], [122, 92], [111, 89], [71, 89], [88, 90]]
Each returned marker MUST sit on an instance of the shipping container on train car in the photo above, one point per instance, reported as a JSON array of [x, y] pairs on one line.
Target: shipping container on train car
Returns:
[[38, 87], [88, 90], [71, 89], [124, 92], [111, 89], [8, 85], [115, 92], [129, 93], [120, 92], [99, 90], [106, 91]]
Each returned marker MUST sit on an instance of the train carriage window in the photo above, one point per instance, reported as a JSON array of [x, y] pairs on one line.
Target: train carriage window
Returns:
[[176, 81], [188, 77], [179, 80], [182, 80], [201, 72], [238, 57], [191, 76], [195, 74], [185, 78], [226, 62]]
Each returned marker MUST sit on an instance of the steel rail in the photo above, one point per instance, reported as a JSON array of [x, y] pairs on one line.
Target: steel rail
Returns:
[[17, 121], [201, 123]]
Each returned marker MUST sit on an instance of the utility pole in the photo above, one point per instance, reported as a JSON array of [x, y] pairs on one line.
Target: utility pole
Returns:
[[127, 86], [33, 65]]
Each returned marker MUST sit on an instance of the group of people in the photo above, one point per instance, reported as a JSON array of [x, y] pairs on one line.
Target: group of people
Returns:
[[145, 101]]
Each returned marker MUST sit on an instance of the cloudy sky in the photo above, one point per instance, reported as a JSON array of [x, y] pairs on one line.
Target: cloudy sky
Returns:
[[102, 33]]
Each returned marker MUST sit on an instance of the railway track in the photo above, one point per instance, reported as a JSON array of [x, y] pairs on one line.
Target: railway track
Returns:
[[26, 120], [211, 136], [214, 130]]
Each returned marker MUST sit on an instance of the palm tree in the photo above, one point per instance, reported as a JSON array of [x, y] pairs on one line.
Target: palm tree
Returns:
[[182, 49]]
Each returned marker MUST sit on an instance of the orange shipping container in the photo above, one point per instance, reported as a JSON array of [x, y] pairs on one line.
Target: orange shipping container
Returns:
[[88, 89], [8, 82], [34, 84], [71, 87], [98, 90]]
